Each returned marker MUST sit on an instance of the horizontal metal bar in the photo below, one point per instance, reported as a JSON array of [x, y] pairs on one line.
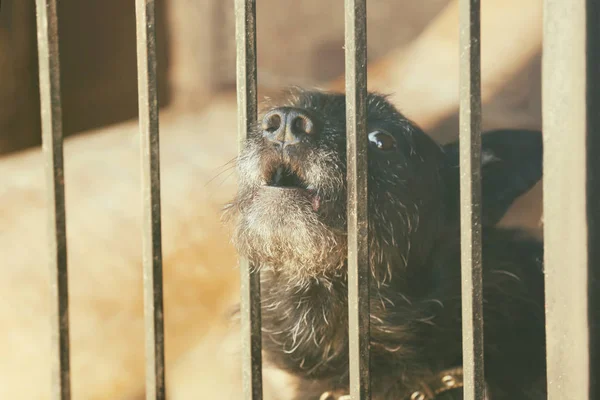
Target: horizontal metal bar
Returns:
[[52, 143], [470, 198], [150, 158], [245, 32], [358, 223], [565, 216]]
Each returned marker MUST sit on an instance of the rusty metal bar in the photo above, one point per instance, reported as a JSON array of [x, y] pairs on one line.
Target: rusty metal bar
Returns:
[[52, 144], [358, 223], [245, 33], [150, 158], [6, 15], [565, 214], [470, 198]]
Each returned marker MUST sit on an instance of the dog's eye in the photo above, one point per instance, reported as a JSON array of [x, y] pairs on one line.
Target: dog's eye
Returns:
[[382, 140]]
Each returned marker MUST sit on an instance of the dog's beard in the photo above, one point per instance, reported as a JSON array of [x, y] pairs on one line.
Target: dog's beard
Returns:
[[279, 229]]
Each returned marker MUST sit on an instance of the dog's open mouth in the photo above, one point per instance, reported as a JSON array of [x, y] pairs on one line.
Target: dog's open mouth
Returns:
[[284, 177]]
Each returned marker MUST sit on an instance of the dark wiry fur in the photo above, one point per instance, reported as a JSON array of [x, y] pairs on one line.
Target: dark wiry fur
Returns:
[[414, 258]]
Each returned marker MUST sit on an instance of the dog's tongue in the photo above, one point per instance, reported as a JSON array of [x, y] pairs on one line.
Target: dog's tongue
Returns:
[[316, 202]]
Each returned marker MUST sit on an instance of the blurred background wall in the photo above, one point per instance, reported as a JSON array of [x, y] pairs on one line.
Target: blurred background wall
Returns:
[[299, 42]]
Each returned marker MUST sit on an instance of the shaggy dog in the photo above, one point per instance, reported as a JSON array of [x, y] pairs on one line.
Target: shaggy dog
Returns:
[[289, 217]]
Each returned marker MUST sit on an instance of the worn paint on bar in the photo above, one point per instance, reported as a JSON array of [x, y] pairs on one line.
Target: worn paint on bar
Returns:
[[150, 158], [52, 144], [565, 216], [358, 224], [245, 16], [470, 198]]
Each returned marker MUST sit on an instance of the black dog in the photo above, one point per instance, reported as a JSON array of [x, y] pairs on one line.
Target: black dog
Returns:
[[290, 220]]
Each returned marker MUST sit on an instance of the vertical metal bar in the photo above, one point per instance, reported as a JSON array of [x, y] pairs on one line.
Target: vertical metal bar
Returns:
[[565, 216], [593, 189], [245, 33], [470, 198], [358, 223], [150, 158], [52, 143]]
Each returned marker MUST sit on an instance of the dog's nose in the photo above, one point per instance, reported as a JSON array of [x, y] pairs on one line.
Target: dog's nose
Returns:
[[287, 126]]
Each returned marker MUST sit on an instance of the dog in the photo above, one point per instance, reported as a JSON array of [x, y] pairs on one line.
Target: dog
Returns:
[[289, 218]]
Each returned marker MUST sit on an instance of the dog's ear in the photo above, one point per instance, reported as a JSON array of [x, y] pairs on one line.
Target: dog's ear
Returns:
[[511, 164]]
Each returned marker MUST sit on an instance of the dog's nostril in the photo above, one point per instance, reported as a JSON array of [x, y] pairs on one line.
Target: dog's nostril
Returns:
[[271, 122], [301, 125]]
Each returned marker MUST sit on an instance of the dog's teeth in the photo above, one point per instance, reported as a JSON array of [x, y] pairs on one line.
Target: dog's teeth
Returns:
[[278, 175]]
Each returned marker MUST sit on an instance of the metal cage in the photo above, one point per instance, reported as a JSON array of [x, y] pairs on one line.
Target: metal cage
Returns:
[[571, 203]]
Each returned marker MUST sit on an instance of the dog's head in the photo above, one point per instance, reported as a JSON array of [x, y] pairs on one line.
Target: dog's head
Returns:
[[290, 210]]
